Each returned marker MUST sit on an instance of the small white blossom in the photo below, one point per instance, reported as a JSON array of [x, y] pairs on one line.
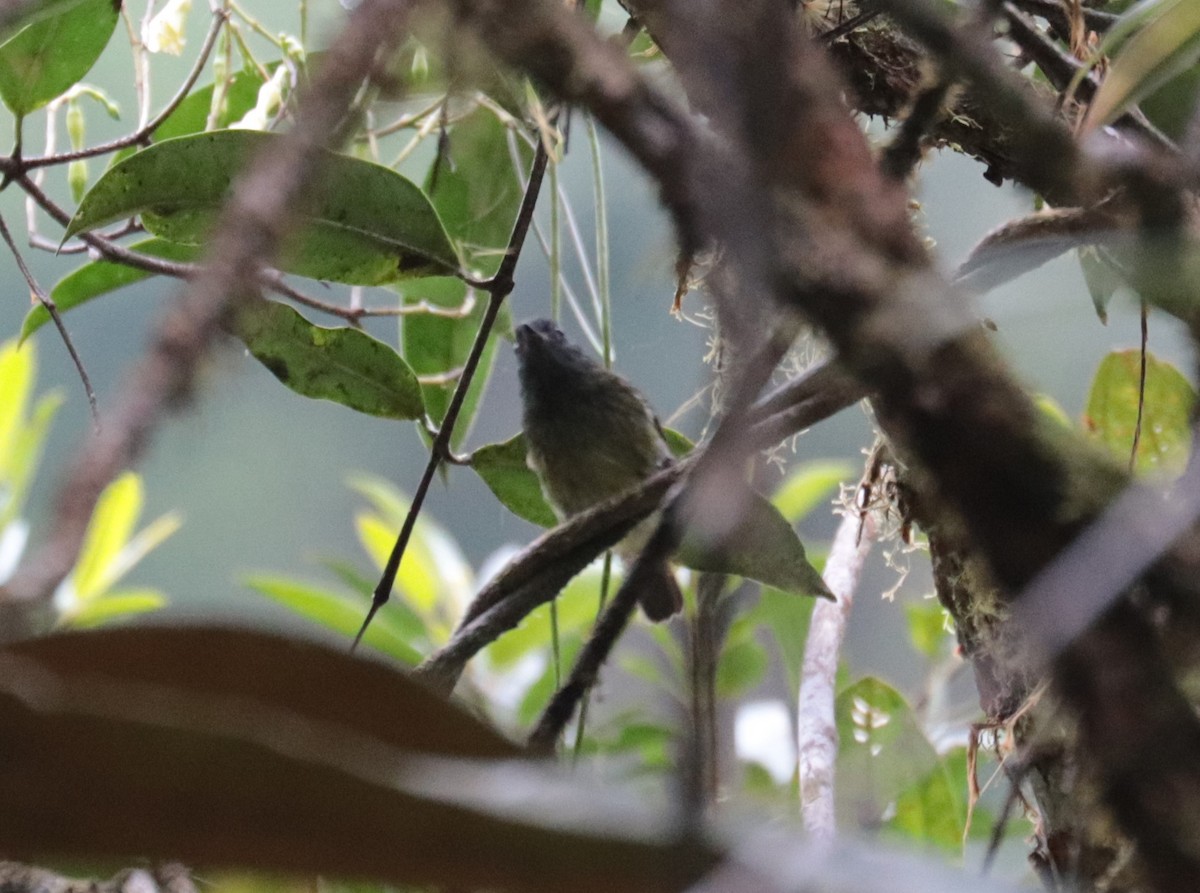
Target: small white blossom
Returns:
[[165, 32], [270, 98]]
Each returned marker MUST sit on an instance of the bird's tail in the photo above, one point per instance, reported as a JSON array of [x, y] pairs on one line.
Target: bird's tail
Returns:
[[660, 596]]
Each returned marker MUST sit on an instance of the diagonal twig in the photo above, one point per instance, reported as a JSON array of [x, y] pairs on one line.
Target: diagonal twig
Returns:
[[498, 288]]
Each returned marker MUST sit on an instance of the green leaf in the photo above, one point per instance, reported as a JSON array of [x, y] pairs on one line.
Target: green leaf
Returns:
[[808, 485], [502, 467], [741, 667], [22, 437], [1103, 277], [434, 578], [787, 618], [191, 116], [17, 370], [344, 365], [99, 277], [933, 810], [338, 613], [927, 626], [1167, 46], [763, 547], [1112, 408], [364, 224], [109, 530], [475, 188], [435, 344], [678, 444], [881, 752], [115, 606], [45, 59]]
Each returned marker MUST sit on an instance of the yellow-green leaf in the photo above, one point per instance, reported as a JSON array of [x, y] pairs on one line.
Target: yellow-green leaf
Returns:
[[1112, 411], [1167, 45]]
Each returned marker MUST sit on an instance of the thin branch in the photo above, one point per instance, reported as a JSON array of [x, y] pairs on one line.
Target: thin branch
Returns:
[[51, 308], [498, 287], [816, 730]]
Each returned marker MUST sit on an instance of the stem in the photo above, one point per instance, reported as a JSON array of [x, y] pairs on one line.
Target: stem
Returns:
[[601, 242], [498, 287], [605, 581]]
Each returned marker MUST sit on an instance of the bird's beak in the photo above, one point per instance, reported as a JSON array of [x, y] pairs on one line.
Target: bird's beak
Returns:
[[525, 334]]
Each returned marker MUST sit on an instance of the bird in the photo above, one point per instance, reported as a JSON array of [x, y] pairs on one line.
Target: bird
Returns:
[[590, 435]]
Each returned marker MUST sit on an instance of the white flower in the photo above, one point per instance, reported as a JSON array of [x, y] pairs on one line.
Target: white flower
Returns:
[[270, 98], [165, 32]]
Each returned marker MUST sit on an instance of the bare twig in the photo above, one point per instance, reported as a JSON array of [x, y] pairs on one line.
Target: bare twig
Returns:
[[498, 288], [816, 730], [46, 301]]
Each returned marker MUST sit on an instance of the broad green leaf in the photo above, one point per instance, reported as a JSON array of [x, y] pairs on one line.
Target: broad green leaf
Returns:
[[191, 116], [436, 344], [933, 810], [338, 613], [1167, 46], [763, 547], [45, 59], [808, 484], [881, 752], [741, 667], [112, 607], [1170, 107], [99, 277], [787, 618], [1112, 409], [111, 526], [364, 224], [502, 467], [476, 190], [344, 365]]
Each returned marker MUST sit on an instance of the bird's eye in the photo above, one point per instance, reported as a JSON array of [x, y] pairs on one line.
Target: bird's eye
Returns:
[[557, 335]]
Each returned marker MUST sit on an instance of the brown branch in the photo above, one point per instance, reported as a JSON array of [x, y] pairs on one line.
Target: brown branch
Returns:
[[252, 225]]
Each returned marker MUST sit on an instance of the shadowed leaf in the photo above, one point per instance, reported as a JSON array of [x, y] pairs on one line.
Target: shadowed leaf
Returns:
[[364, 224], [344, 365]]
